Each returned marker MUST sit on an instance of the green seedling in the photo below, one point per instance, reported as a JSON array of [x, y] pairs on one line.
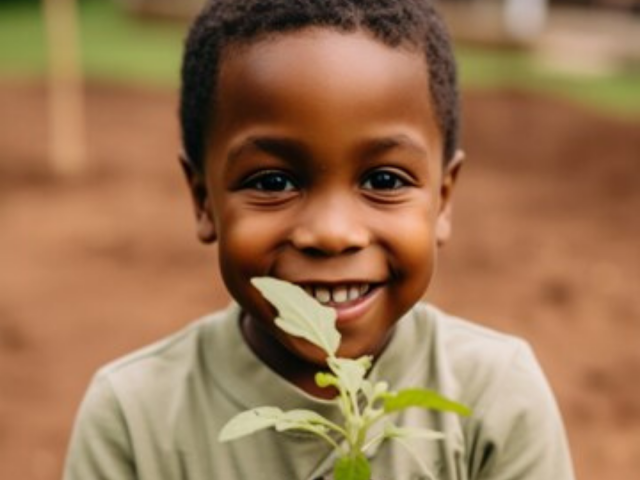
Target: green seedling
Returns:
[[363, 403]]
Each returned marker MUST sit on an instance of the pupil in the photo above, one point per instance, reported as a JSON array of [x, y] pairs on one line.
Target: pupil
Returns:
[[383, 181], [275, 183]]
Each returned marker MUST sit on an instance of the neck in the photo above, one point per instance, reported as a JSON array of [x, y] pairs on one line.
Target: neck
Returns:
[[278, 358]]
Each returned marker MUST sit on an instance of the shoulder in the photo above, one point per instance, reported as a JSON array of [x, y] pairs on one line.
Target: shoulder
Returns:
[[465, 336], [477, 359], [494, 373], [516, 428], [142, 405], [158, 368]]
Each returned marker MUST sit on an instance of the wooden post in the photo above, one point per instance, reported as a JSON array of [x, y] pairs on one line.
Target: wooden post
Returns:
[[525, 19], [66, 96]]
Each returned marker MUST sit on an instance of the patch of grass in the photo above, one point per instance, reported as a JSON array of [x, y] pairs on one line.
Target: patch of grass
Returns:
[[116, 47], [618, 94], [484, 68], [22, 40]]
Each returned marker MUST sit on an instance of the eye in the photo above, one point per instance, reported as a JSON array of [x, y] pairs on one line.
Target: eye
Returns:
[[271, 182], [383, 180]]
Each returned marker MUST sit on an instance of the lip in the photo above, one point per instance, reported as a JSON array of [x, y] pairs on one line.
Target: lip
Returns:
[[330, 283], [350, 312]]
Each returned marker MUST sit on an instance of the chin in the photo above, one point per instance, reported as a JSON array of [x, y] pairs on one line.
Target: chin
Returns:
[[355, 352], [307, 352]]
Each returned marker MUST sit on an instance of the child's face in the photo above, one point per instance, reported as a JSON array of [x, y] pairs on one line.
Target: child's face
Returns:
[[324, 168]]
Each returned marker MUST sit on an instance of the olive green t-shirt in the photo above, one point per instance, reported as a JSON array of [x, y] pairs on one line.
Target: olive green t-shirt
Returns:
[[156, 414]]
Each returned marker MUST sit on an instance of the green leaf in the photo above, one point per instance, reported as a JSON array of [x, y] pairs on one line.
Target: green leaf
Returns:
[[249, 422], [299, 314], [301, 419], [380, 389], [392, 431], [368, 390], [324, 380], [350, 372], [374, 392], [419, 397], [352, 468]]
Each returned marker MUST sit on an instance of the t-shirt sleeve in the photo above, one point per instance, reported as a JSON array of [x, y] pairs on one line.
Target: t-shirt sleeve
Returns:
[[100, 448], [520, 434]]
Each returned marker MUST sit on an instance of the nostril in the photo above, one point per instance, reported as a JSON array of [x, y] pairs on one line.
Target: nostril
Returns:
[[316, 252]]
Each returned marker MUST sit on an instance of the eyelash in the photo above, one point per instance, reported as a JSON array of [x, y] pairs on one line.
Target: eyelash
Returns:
[[287, 184], [257, 181], [399, 181]]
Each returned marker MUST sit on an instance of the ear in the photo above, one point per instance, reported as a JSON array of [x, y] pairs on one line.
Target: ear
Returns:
[[206, 229], [449, 177]]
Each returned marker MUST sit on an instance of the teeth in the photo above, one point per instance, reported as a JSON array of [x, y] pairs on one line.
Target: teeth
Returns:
[[340, 294], [354, 292], [323, 295]]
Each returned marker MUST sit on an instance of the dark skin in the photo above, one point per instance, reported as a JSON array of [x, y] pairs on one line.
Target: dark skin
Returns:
[[324, 168]]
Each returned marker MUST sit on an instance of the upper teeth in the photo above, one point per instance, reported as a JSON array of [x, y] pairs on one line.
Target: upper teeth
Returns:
[[338, 294]]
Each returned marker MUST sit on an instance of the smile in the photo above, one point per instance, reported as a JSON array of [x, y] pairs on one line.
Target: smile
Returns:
[[338, 295]]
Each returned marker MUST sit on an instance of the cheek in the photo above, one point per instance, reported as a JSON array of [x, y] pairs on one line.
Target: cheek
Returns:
[[411, 238], [246, 238], [412, 234], [244, 246], [418, 258]]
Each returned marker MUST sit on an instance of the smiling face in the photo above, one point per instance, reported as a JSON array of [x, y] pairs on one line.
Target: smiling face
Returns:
[[324, 168]]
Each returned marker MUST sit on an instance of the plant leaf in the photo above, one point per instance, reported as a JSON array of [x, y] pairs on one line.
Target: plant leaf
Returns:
[[380, 389], [350, 372], [299, 314], [423, 398], [393, 431], [249, 422], [367, 388], [299, 418], [352, 468], [324, 380]]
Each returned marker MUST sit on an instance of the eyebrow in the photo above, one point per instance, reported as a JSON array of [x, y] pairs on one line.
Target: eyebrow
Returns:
[[288, 148], [383, 144], [280, 147]]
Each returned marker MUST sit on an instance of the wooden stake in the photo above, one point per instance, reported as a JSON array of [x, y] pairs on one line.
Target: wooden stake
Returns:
[[66, 98], [525, 19]]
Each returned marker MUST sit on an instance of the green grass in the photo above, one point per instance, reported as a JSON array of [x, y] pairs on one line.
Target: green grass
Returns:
[[484, 68], [118, 48], [22, 40], [618, 94], [115, 47]]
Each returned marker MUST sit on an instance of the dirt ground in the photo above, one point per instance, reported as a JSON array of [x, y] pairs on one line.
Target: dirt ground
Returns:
[[545, 246]]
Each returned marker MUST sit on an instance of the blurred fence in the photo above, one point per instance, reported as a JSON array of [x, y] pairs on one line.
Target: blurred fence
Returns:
[[579, 36], [585, 36]]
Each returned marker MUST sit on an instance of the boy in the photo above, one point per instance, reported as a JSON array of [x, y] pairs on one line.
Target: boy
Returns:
[[321, 148]]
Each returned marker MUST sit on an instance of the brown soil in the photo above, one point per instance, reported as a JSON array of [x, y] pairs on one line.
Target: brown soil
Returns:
[[546, 247]]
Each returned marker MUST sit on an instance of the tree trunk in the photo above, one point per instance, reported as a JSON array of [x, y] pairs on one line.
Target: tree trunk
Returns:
[[66, 97]]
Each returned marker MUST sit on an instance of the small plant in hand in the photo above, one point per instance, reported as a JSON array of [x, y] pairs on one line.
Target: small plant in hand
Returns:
[[363, 403]]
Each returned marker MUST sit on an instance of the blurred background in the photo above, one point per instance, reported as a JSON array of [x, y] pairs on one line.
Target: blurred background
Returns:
[[97, 244]]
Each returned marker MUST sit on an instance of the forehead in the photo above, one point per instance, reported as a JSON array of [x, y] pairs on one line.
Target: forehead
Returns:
[[324, 84]]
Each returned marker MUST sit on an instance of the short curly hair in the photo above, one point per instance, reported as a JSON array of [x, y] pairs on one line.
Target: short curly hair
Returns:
[[394, 22]]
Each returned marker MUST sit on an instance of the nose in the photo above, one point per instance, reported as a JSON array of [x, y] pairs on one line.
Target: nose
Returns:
[[330, 226]]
